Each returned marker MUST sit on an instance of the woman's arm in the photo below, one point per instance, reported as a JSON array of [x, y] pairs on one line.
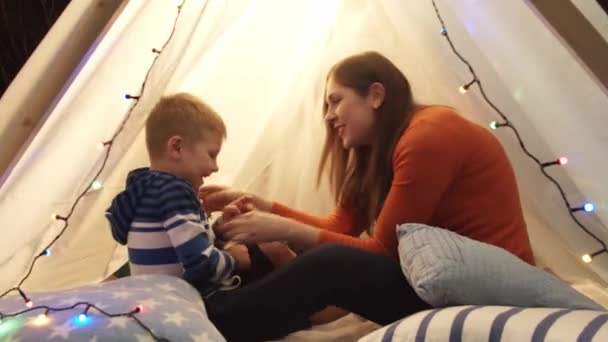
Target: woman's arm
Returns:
[[216, 197], [341, 220]]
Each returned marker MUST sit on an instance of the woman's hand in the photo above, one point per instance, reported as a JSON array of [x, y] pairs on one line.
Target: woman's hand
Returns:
[[240, 206], [255, 226], [216, 197], [258, 227]]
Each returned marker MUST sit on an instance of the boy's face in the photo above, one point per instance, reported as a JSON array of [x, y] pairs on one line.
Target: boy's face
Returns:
[[199, 158]]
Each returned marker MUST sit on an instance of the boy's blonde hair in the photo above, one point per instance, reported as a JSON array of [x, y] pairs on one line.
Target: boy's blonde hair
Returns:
[[180, 114]]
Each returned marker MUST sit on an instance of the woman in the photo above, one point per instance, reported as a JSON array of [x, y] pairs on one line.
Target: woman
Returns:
[[391, 161]]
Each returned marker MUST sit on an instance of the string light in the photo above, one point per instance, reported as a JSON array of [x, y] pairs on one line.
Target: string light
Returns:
[[495, 124], [156, 51], [57, 217], [132, 97], [42, 319], [82, 318], [561, 161], [587, 258], [65, 219], [96, 185], [464, 88], [102, 145], [588, 207]]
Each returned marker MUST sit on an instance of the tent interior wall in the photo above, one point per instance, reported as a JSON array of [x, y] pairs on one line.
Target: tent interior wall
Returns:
[[261, 64]]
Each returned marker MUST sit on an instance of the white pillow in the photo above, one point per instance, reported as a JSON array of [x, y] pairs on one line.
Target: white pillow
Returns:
[[447, 269]]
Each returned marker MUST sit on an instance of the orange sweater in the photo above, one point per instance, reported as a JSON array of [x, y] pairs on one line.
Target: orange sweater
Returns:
[[449, 173]]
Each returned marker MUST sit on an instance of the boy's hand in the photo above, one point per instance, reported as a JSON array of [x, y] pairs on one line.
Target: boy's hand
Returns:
[[216, 197], [232, 210], [241, 254]]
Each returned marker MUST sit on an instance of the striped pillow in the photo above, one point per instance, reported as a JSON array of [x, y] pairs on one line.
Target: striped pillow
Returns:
[[447, 269], [496, 323]]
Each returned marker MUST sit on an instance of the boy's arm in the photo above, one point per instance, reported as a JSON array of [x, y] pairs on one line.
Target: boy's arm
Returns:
[[202, 262]]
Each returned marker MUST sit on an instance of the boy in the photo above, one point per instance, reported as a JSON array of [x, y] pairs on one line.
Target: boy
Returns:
[[159, 215]]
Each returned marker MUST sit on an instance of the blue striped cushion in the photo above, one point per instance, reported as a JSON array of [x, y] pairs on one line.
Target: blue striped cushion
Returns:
[[496, 323], [447, 269]]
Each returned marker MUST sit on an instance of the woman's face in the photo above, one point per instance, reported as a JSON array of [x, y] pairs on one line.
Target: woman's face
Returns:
[[351, 115]]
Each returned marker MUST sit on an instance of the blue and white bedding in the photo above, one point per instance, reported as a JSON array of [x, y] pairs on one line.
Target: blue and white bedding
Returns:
[[171, 308], [496, 323]]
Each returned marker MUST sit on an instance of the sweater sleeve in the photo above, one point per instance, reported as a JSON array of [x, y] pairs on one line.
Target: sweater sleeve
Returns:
[[425, 162], [340, 221], [203, 263]]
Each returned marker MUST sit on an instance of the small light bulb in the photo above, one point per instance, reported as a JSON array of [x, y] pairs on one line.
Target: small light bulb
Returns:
[[442, 31], [563, 161], [463, 89], [47, 252], [96, 185], [589, 207], [587, 258], [494, 125], [53, 217], [28, 303], [42, 319], [139, 309], [82, 318]]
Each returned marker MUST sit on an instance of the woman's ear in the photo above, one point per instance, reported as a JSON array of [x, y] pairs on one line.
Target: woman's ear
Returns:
[[174, 147], [376, 94]]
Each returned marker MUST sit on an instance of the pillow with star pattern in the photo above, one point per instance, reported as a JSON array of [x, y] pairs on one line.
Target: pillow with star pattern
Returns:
[[168, 306]]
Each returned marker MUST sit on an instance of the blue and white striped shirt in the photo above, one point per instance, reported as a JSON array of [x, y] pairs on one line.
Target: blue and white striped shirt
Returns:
[[159, 217]]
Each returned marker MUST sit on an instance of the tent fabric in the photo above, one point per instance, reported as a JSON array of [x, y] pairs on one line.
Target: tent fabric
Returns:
[[261, 65]]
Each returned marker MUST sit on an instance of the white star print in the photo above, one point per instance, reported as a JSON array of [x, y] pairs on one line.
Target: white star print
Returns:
[[149, 303], [47, 298], [69, 301], [173, 298], [166, 287], [196, 311], [143, 338], [203, 337], [120, 322], [121, 295], [175, 318], [102, 306], [62, 331]]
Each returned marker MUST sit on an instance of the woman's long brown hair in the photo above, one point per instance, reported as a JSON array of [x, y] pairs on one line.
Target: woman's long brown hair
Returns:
[[361, 177]]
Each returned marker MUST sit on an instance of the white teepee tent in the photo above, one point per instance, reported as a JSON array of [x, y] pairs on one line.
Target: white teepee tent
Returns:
[[262, 65]]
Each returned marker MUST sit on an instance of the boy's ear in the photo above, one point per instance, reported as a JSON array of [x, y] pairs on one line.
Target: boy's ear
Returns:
[[174, 147]]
